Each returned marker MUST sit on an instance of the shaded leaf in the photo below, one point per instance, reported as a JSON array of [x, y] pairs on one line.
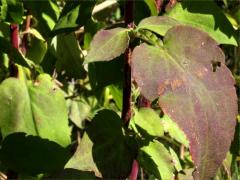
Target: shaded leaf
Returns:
[[102, 74], [69, 56], [37, 47], [105, 149], [36, 108], [45, 15], [158, 24], [11, 11], [148, 122], [108, 44], [155, 159], [71, 174], [206, 16], [29, 154], [74, 15], [202, 102]]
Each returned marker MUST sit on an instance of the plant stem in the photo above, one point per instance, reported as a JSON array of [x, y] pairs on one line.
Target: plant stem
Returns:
[[127, 82], [14, 35], [134, 173], [15, 43], [126, 110], [25, 36]]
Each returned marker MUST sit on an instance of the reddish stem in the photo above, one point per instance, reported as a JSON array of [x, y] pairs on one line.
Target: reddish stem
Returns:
[[159, 4], [13, 70], [14, 35], [134, 172], [126, 109]]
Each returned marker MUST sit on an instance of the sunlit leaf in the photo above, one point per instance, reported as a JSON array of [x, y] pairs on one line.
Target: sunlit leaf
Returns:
[[174, 131], [35, 108], [152, 6], [195, 89], [155, 159], [108, 44], [206, 16], [148, 122], [158, 24]]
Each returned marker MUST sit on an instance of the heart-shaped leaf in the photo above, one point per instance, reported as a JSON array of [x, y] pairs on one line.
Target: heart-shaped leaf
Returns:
[[108, 44], [36, 108], [202, 102]]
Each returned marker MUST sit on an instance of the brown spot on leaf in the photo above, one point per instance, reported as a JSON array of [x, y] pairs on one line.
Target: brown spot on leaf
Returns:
[[176, 83]]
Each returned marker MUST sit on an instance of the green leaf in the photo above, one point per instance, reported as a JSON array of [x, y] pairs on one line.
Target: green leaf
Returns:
[[5, 30], [155, 159], [35, 108], [105, 150], [116, 91], [37, 47], [81, 109], [73, 16], [27, 154], [174, 131], [158, 24], [176, 160], [206, 16], [11, 11], [69, 55], [107, 45], [193, 91], [83, 157], [148, 122], [152, 6]]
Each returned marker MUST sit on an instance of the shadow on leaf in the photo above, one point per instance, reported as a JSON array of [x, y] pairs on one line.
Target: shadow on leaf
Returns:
[[29, 154]]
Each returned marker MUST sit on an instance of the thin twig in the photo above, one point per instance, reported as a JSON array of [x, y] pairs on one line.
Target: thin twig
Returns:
[[104, 5]]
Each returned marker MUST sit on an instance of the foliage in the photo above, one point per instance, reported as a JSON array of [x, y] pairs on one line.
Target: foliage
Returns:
[[69, 69]]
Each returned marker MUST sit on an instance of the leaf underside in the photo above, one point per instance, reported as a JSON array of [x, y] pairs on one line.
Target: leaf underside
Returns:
[[202, 102]]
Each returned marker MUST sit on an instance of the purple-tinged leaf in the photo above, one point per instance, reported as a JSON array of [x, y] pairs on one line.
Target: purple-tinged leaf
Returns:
[[198, 95], [108, 44]]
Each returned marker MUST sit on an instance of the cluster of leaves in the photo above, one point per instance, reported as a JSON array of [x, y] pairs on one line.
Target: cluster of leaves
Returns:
[[61, 91]]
